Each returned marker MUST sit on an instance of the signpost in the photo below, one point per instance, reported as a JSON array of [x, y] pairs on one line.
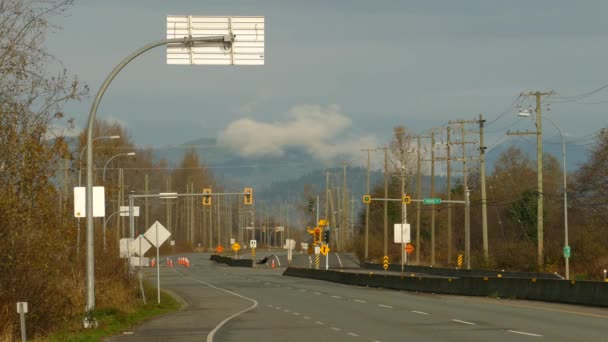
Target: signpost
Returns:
[[22, 310], [235, 248], [157, 235], [253, 244]]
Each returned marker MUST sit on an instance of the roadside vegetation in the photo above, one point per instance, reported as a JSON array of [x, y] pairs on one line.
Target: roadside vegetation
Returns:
[[511, 208]]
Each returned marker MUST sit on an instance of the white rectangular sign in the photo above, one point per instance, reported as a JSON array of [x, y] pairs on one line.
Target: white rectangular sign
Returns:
[[253, 243], [397, 233], [21, 307], [304, 245], [163, 234], [125, 245], [279, 229], [290, 243], [249, 228], [140, 246], [124, 211], [99, 202], [232, 241], [144, 261], [247, 48], [317, 250]]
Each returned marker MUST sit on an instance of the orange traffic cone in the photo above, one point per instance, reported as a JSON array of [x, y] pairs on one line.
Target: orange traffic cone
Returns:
[[272, 264], [171, 263]]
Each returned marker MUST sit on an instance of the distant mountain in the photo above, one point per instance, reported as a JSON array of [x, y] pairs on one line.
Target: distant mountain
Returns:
[[284, 177]]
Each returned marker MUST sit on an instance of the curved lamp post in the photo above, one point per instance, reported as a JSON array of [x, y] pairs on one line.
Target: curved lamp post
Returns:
[[109, 160]]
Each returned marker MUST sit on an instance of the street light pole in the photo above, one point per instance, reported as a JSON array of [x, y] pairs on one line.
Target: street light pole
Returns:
[[109, 160], [90, 269]]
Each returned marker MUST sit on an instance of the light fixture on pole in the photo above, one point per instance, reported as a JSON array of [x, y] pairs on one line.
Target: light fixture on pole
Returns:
[[109, 160], [526, 114]]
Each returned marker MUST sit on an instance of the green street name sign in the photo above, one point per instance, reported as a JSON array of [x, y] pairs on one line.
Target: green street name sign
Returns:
[[566, 251], [431, 201]]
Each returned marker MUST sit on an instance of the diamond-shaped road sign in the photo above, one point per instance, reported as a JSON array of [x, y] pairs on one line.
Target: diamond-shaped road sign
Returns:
[[140, 245], [324, 250], [163, 234]]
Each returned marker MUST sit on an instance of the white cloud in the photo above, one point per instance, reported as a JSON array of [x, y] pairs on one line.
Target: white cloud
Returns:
[[311, 128]]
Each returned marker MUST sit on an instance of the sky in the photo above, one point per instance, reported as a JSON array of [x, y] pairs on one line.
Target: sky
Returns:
[[339, 75]]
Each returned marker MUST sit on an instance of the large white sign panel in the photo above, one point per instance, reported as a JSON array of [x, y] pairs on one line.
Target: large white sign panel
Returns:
[[140, 246], [163, 234], [99, 202], [280, 229], [397, 233], [124, 211], [247, 48]]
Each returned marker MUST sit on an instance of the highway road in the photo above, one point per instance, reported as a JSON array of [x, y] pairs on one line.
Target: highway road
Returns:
[[270, 307]]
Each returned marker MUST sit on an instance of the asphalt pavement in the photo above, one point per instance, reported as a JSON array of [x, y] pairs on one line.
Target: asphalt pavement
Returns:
[[259, 304]]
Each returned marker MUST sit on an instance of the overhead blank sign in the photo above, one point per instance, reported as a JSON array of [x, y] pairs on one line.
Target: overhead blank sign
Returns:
[[99, 206], [247, 48]]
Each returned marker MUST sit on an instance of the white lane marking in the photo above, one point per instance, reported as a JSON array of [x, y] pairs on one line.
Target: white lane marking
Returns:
[[317, 293], [524, 333], [286, 310], [269, 305], [419, 312], [128, 333], [302, 290], [306, 317], [336, 297], [319, 323], [278, 285], [296, 314], [385, 306], [219, 326], [463, 322], [336, 329], [360, 301], [266, 283], [353, 334], [278, 308], [288, 287]]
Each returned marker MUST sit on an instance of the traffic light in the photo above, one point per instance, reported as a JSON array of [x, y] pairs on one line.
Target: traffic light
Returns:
[[326, 236], [311, 205], [248, 199], [317, 235], [206, 196], [406, 199]]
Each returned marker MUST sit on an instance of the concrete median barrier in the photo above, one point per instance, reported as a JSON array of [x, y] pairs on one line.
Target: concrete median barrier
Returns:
[[231, 262], [454, 272], [590, 293]]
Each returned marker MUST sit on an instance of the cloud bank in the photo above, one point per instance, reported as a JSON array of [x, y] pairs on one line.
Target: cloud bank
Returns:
[[314, 129]]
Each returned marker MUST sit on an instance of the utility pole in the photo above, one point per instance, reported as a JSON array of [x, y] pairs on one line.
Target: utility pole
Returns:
[[539, 172], [344, 209], [419, 194], [449, 192], [465, 173], [327, 194], [385, 250], [433, 195], [482, 168], [367, 205], [168, 187], [146, 191]]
